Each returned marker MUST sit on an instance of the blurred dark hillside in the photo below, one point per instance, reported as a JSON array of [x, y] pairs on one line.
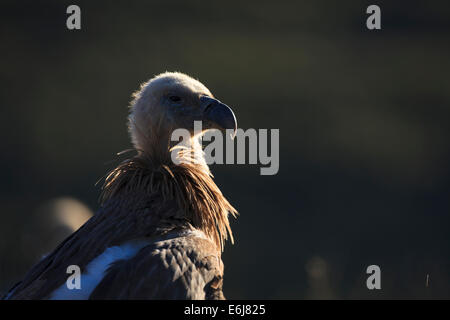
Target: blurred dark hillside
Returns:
[[363, 116]]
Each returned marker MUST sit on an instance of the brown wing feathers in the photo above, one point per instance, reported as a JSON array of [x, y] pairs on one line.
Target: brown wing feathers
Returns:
[[181, 268]]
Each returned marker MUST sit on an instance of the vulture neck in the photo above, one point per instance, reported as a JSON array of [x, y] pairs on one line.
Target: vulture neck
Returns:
[[189, 185]]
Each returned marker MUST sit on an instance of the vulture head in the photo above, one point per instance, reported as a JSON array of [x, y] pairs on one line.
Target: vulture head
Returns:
[[170, 101]]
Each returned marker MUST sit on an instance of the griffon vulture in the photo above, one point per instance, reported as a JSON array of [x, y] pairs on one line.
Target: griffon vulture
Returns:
[[160, 230]]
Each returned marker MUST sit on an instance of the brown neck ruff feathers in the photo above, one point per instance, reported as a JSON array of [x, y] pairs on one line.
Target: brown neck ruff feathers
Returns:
[[190, 185]]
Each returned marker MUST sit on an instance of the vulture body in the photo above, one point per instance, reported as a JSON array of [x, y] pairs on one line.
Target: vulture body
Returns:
[[160, 230]]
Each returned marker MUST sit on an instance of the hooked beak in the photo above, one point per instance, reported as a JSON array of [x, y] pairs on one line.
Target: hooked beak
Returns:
[[219, 115]]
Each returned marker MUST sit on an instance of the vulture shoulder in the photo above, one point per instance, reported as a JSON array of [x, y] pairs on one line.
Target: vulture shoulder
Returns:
[[186, 266]]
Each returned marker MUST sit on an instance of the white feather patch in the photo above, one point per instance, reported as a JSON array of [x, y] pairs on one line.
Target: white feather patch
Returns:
[[95, 271]]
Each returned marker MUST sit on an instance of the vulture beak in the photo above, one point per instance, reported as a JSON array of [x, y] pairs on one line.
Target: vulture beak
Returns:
[[219, 114]]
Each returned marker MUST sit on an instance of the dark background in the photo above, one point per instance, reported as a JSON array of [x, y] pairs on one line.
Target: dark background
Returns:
[[363, 118]]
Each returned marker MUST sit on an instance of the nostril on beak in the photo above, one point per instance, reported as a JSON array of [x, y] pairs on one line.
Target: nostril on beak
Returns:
[[209, 106], [208, 103]]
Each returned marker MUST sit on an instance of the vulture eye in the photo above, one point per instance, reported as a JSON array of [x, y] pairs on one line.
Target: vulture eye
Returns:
[[175, 98]]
